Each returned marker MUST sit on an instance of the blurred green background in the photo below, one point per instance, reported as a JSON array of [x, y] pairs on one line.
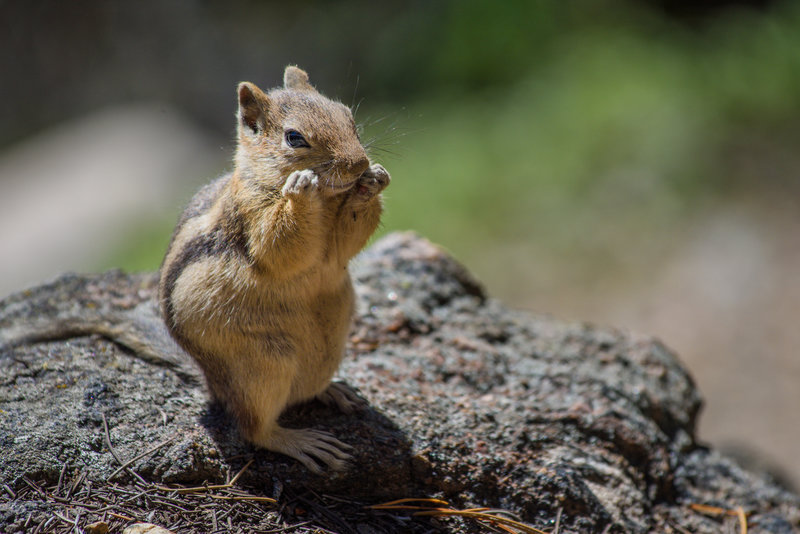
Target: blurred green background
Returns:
[[629, 163]]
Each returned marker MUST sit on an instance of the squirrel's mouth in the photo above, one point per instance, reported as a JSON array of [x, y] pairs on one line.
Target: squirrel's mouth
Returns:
[[339, 187]]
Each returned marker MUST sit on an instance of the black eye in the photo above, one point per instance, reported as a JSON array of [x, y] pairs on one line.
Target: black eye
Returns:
[[295, 139]]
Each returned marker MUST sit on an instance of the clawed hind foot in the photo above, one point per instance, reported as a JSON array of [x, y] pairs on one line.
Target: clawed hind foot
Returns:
[[306, 444], [342, 396]]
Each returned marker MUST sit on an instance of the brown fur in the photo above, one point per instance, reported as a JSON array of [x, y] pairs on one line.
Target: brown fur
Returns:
[[255, 285]]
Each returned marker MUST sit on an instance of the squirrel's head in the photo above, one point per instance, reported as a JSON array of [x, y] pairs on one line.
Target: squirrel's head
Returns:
[[294, 128]]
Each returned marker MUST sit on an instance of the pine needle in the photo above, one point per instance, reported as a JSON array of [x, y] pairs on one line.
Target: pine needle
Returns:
[[436, 508]]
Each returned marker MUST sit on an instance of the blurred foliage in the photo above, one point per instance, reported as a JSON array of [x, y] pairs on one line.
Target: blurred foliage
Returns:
[[596, 128], [568, 127]]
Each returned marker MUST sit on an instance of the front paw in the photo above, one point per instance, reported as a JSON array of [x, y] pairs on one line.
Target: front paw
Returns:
[[301, 183], [373, 181]]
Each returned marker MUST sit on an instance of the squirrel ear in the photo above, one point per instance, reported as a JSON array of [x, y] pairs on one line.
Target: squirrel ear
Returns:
[[253, 107], [297, 79]]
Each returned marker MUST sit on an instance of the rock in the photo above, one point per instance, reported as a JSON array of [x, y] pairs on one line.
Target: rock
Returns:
[[98, 527], [467, 401]]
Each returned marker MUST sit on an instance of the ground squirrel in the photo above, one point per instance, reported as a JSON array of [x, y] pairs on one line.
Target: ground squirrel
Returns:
[[254, 285]]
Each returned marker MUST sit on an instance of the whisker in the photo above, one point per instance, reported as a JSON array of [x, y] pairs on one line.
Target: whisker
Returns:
[[357, 107], [391, 135], [355, 92]]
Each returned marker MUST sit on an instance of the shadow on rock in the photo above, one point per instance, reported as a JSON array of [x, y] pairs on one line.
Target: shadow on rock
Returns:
[[380, 467]]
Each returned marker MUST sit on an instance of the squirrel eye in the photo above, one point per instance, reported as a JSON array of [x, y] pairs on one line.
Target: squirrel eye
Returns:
[[295, 139]]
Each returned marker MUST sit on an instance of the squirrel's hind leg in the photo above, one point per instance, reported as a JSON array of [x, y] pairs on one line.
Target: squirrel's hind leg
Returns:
[[262, 393]]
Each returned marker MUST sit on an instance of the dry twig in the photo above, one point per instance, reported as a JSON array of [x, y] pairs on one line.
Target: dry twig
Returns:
[[716, 511], [435, 508], [140, 456]]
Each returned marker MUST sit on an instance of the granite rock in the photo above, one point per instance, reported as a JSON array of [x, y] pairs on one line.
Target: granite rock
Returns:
[[467, 400]]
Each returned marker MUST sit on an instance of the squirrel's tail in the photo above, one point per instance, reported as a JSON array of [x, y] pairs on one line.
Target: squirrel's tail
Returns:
[[78, 305]]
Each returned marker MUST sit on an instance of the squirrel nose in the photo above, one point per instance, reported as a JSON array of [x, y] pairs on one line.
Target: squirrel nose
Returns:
[[360, 167], [355, 166]]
